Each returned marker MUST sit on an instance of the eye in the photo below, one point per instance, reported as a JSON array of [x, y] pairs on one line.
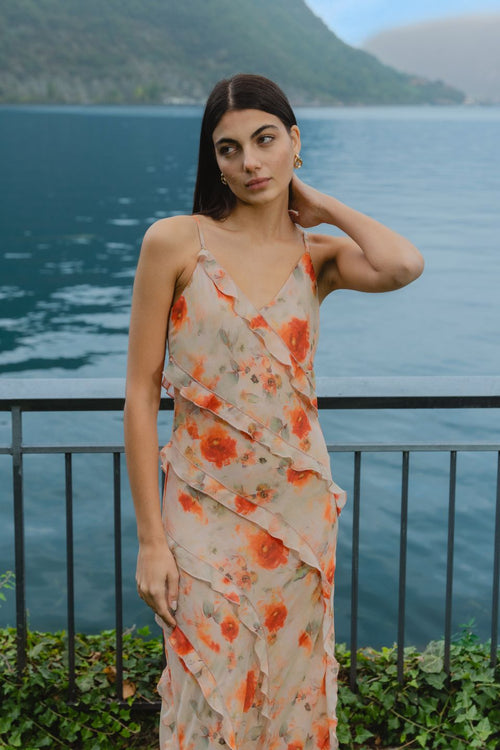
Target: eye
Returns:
[[226, 150], [266, 139]]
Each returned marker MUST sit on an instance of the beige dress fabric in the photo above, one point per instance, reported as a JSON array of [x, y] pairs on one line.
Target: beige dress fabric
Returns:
[[250, 513]]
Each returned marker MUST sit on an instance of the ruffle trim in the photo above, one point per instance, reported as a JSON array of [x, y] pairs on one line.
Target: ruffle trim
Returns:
[[301, 377], [272, 522], [297, 459], [247, 616]]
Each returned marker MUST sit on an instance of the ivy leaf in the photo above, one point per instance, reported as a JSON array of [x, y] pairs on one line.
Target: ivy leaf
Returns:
[[362, 735], [432, 660]]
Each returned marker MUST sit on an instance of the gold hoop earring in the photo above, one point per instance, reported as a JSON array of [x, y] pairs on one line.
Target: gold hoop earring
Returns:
[[223, 179], [297, 161]]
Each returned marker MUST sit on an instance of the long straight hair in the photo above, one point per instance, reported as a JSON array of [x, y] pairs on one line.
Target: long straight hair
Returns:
[[242, 91]]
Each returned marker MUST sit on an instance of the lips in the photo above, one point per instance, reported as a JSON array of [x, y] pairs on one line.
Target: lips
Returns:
[[258, 182]]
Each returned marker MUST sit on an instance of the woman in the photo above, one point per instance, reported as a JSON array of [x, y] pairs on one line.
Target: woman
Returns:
[[239, 567]]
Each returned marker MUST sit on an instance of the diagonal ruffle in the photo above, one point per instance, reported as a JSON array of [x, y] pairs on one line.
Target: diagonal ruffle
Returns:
[[297, 459], [301, 378], [247, 615]]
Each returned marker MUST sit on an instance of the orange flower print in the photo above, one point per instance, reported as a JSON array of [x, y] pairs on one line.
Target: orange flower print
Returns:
[[300, 423], [295, 334], [271, 382], [179, 642], [258, 322], [265, 493], [275, 616], [305, 641], [179, 312], [247, 458], [244, 506], [192, 429], [330, 571], [230, 628], [190, 505], [330, 512], [254, 433], [251, 684], [267, 551], [204, 635], [322, 733], [305, 445], [218, 447], [295, 745], [199, 368], [210, 402], [309, 268], [298, 478], [243, 579]]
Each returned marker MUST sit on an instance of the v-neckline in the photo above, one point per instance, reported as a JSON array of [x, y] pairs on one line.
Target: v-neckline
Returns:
[[240, 291]]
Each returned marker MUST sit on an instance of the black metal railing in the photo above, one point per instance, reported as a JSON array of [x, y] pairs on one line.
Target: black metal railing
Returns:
[[21, 396]]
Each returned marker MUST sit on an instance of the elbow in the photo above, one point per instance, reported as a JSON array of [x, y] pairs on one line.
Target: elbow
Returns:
[[411, 268]]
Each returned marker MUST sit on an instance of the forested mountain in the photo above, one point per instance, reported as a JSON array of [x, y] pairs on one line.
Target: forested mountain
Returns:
[[158, 51]]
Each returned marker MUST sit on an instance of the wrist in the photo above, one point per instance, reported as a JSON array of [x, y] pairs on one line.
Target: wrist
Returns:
[[329, 210], [152, 541]]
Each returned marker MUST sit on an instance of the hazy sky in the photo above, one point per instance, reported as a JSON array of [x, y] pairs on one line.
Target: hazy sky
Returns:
[[354, 20]]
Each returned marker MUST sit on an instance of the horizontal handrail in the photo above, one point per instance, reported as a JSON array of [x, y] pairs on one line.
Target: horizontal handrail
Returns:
[[418, 392]]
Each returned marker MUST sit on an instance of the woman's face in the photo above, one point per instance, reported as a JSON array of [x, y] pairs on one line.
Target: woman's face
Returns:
[[255, 153]]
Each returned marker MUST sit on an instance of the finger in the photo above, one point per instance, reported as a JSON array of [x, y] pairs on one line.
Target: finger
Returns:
[[159, 605], [166, 616], [173, 591]]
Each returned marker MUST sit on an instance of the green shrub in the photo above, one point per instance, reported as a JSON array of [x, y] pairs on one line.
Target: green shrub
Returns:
[[35, 712], [429, 711]]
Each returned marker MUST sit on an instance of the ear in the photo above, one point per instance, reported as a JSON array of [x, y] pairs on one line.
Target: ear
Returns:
[[295, 138]]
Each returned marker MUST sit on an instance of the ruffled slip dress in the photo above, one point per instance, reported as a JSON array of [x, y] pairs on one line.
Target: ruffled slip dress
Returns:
[[250, 513]]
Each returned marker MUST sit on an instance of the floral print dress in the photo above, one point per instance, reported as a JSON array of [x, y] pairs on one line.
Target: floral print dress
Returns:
[[250, 513]]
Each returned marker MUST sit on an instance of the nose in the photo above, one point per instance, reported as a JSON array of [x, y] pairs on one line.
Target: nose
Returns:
[[251, 160]]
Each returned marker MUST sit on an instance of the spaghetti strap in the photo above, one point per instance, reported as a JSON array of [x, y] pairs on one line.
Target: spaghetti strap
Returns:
[[305, 240], [200, 231]]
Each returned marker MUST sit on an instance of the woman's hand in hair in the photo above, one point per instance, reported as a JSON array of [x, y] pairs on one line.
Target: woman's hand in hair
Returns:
[[307, 207]]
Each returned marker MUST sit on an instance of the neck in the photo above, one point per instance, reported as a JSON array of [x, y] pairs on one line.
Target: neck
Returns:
[[269, 221]]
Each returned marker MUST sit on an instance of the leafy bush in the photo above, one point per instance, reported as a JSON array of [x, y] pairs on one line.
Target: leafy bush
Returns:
[[429, 711], [35, 712]]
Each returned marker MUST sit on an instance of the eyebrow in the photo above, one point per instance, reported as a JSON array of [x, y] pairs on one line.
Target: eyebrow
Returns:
[[254, 134]]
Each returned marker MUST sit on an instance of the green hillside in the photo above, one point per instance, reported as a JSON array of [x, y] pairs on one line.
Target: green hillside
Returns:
[[158, 51]]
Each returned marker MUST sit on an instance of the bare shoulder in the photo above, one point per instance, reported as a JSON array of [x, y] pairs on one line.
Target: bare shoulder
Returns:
[[171, 239], [324, 247]]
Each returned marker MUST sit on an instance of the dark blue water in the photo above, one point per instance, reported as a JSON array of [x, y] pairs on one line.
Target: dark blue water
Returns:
[[79, 188]]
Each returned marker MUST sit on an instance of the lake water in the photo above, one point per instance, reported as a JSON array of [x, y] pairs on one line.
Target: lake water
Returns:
[[79, 188]]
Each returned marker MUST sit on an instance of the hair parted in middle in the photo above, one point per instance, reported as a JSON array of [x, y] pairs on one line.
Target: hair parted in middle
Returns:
[[242, 91]]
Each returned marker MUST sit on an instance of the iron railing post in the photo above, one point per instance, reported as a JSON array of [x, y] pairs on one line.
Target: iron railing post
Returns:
[[449, 563], [402, 564], [20, 567], [70, 575], [355, 569], [496, 575], [118, 575]]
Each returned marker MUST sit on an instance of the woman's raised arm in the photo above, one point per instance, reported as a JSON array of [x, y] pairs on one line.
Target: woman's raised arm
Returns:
[[370, 258]]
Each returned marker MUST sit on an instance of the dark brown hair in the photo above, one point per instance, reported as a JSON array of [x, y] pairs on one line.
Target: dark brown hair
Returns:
[[242, 91]]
